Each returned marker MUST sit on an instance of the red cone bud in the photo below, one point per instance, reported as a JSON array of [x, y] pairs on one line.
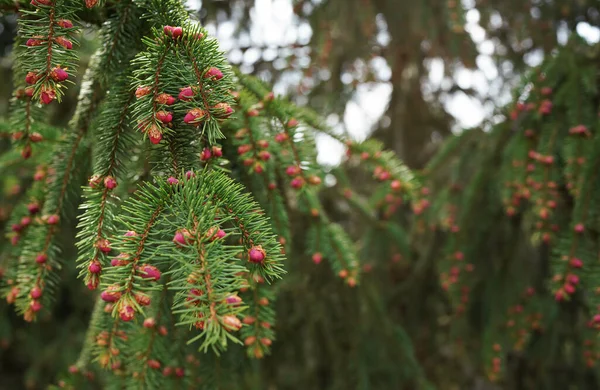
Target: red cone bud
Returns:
[[292, 123], [52, 219], [293, 170], [579, 228], [172, 181], [216, 151], [103, 245]]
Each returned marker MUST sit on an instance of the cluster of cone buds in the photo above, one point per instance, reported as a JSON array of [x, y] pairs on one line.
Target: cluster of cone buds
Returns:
[[19, 228], [253, 156], [580, 130], [496, 360], [569, 282], [258, 345], [298, 180], [349, 277], [185, 237], [109, 182], [544, 159], [213, 152], [57, 74]]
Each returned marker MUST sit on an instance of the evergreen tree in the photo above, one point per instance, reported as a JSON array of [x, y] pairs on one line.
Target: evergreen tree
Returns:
[[179, 232]]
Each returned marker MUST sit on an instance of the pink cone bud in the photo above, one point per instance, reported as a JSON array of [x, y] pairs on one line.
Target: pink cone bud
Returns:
[[182, 237], [214, 73], [221, 233], [111, 294], [65, 23], [256, 254], [297, 183], [110, 182], [179, 372], [186, 94], [231, 322], [579, 228], [95, 267], [126, 313], [35, 306], [142, 299], [59, 74], [47, 96], [573, 279], [142, 91], [154, 134], [41, 258], [206, 154], [576, 263], [569, 289], [194, 116], [31, 78], [130, 233], [164, 116], [172, 181], [292, 123], [103, 245], [53, 219], [35, 292], [149, 323], [165, 98], [216, 151], [222, 110], [149, 272], [34, 42], [317, 258], [33, 208], [64, 42], [25, 221], [233, 300], [292, 170], [189, 175], [264, 155]]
